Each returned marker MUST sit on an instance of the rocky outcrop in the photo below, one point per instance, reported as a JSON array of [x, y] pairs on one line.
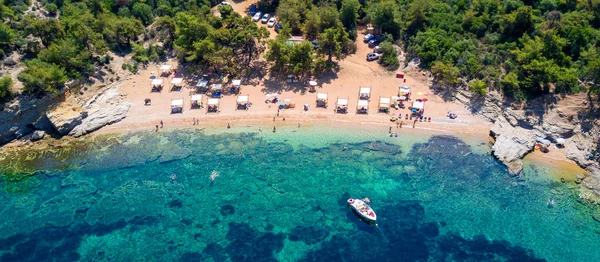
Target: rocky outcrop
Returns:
[[511, 144], [65, 116], [17, 118], [103, 109]]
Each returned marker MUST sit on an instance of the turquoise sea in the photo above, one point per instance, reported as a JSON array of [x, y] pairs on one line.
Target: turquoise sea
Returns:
[[243, 195]]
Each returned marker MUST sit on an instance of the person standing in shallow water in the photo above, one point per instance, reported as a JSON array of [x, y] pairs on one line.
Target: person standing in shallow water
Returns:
[[274, 129], [161, 124], [156, 130], [228, 126]]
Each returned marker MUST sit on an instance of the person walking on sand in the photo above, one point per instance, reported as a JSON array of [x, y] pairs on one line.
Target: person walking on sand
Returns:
[[390, 131], [298, 125], [273, 119], [414, 123], [161, 124], [277, 112], [274, 129], [401, 123], [194, 121], [156, 129]]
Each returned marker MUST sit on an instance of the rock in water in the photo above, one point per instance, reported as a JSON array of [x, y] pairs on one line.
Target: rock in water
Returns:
[[37, 135], [512, 143]]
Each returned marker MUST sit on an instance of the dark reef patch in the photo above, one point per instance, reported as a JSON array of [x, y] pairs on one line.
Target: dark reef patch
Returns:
[[308, 234], [227, 210]]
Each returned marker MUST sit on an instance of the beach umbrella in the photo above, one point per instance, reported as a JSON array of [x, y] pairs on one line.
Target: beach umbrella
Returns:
[[402, 98], [312, 83]]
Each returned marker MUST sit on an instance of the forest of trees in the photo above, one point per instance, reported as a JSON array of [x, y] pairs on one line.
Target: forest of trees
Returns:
[[524, 48]]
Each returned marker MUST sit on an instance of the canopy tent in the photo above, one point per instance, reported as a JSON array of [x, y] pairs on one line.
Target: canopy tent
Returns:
[[236, 83], [312, 83], [561, 141], [165, 68], [362, 106], [322, 100], [242, 102], [212, 105], [418, 107], [176, 105], [365, 93], [196, 101], [404, 90], [341, 105], [384, 102], [157, 81], [176, 81], [418, 104]]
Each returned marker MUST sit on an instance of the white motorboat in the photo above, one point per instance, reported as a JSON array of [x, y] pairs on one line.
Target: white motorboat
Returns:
[[362, 208]]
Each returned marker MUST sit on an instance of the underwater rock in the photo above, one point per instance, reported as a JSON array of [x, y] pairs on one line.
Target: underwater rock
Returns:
[[227, 210], [308, 234]]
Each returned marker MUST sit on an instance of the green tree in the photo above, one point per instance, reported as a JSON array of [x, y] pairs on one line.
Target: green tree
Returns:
[[51, 8], [518, 22], [6, 83], [41, 77], [478, 87], [385, 15], [349, 13], [389, 58], [278, 53], [301, 58], [510, 85], [143, 12], [7, 35], [225, 11], [445, 74], [69, 56]]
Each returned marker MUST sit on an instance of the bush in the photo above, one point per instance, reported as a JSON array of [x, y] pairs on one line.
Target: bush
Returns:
[[389, 59], [5, 84], [144, 13], [478, 87], [42, 77], [51, 8]]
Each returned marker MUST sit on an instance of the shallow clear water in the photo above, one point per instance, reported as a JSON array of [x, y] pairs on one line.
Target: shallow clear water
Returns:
[[282, 197]]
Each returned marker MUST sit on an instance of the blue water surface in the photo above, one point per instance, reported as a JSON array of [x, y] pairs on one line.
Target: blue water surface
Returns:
[[189, 196]]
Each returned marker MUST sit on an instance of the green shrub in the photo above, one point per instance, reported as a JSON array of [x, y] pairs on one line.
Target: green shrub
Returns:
[[478, 87]]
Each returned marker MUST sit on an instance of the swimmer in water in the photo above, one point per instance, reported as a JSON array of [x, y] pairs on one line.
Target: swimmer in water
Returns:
[[173, 177], [550, 203]]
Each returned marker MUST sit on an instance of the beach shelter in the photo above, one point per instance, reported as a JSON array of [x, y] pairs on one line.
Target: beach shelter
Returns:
[[176, 105], [176, 83], [362, 107], [322, 100], [384, 104], [235, 86], [404, 91], [242, 102], [418, 107], [157, 84], [212, 105], [196, 101], [313, 86], [216, 90], [364, 93], [341, 105], [165, 69]]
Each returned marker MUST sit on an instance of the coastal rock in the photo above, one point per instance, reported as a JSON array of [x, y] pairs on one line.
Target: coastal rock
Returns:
[[103, 109], [43, 123], [64, 117], [512, 143], [581, 151], [37, 135], [17, 117]]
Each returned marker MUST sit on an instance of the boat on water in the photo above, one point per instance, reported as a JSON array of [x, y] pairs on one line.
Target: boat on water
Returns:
[[363, 209]]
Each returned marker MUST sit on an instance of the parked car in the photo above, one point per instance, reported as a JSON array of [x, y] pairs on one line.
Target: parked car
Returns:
[[256, 16], [372, 56], [252, 9], [374, 42], [265, 18], [224, 3], [271, 22], [315, 44], [278, 27], [378, 49], [369, 37]]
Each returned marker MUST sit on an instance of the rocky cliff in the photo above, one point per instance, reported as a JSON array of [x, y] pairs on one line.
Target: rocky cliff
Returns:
[[25, 115], [551, 118]]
